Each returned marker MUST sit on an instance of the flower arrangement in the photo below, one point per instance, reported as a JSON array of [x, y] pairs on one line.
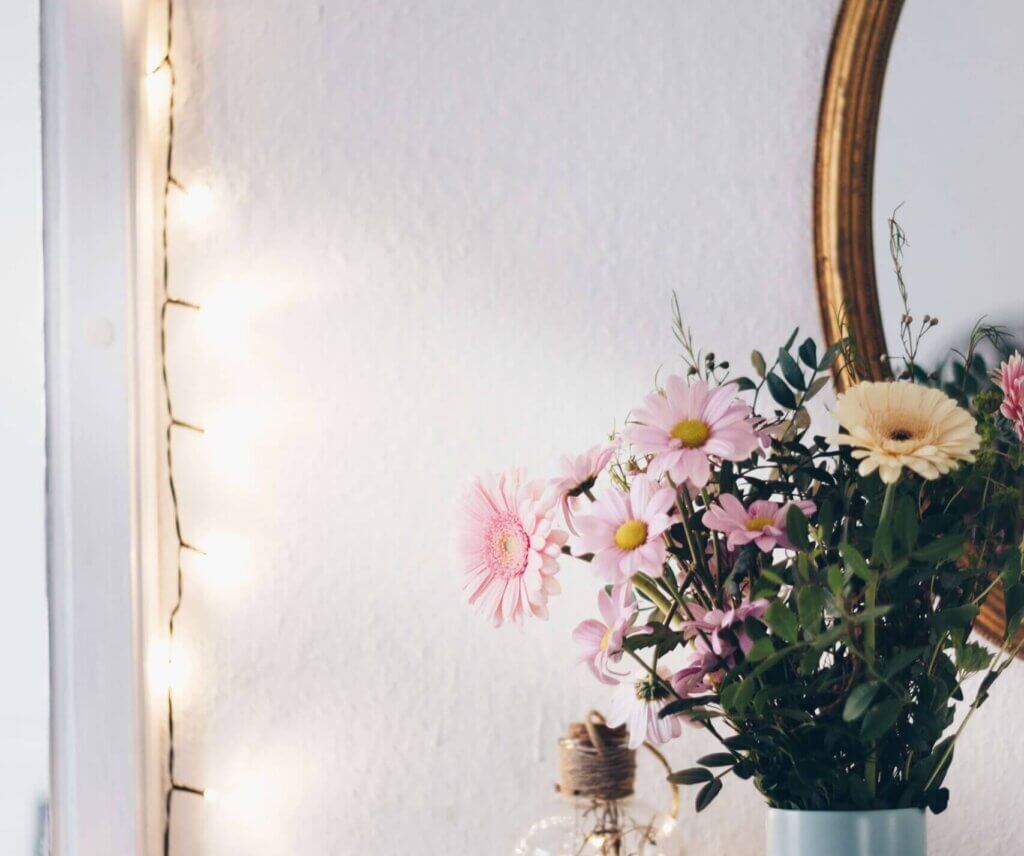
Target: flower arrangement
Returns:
[[807, 599]]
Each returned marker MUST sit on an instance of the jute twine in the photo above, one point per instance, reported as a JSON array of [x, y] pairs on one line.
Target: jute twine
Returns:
[[596, 762]]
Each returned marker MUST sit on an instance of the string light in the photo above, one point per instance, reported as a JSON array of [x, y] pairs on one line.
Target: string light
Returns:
[[166, 668]]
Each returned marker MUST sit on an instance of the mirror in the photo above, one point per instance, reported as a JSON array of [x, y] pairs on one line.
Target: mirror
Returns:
[[951, 88], [913, 92]]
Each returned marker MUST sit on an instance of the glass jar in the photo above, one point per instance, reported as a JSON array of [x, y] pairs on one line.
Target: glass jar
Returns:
[[596, 813]]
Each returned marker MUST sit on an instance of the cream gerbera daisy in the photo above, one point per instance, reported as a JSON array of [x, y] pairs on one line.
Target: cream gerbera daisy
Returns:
[[896, 425]]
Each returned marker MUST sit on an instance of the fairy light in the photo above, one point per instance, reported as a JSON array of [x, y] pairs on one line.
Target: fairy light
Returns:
[[167, 668]]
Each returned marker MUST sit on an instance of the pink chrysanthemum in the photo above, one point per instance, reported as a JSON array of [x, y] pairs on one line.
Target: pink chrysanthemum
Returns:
[[510, 547], [636, 704], [578, 477], [1011, 381], [763, 524], [688, 426], [624, 532], [601, 641]]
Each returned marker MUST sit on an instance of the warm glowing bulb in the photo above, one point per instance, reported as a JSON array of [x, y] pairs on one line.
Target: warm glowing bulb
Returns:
[[210, 795], [196, 206], [222, 565], [167, 669], [158, 89]]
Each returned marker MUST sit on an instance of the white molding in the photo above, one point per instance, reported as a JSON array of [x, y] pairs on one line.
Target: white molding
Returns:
[[100, 446]]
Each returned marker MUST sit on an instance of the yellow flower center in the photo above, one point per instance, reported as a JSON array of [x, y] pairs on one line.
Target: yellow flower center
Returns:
[[631, 534], [606, 639], [692, 433], [756, 524]]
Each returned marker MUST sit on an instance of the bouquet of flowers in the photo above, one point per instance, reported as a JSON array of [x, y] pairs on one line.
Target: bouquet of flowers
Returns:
[[807, 599]]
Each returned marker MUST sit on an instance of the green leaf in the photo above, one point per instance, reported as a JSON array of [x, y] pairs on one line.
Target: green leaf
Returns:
[[780, 392], [791, 370], [791, 339], [972, 657], [955, 616], [692, 776], [880, 718], [860, 700], [717, 759], [816, 386], [896, 664], [757, 361], [856, 562], [809, 353], [781, 620], [810, 601], [1014, 605], [762, 648], [744, 692], [796, 528], [744, 384], [835, 580], [943, 550], [829, 356], [706, 794]]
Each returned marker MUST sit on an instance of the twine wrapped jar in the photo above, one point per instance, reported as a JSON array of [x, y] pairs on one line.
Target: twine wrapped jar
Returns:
[[596, 812]]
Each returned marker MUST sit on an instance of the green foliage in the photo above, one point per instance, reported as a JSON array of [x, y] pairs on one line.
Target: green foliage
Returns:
[[850, 680]]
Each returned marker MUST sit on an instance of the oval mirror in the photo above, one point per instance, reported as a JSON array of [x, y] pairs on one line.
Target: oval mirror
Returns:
[[915, 93]]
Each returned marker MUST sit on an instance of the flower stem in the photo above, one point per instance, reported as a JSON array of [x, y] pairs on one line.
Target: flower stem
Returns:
[[646, 586]]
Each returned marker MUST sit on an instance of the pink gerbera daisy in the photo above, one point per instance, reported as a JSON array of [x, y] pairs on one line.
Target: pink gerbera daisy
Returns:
[[625, 531], [510, 547], [578, 477], [1011, 381], [763, 524], [637, 703], [601, 641], [689, 425]]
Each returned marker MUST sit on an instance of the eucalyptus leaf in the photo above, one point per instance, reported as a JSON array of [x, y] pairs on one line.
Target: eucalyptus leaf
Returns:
[[706, 794], [780, 392], [692, 776]]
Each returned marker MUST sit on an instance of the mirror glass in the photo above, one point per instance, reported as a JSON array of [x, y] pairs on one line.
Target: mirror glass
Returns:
[[947, 157]]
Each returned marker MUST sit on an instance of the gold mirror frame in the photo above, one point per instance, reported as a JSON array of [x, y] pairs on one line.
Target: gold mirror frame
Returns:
[[843, 176]]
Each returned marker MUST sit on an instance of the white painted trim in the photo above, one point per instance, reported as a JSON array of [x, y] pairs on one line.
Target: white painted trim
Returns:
[[100, 446]]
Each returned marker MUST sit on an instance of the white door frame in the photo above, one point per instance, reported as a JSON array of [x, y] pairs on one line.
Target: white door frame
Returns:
[[101, 437]]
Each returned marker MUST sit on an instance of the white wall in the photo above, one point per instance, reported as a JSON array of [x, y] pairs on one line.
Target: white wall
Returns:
[[444, 239], [24, 700]]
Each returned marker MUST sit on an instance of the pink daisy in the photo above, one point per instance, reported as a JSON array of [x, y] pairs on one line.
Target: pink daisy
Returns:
[[690, 424], [636, 704], [1011, 381], [601, 641], [701, 670], [625, 531], [764, 523], [578, 477], [510, 547], [716, 622]]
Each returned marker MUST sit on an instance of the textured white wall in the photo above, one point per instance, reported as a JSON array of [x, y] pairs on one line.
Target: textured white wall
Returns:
[[443, 240]]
